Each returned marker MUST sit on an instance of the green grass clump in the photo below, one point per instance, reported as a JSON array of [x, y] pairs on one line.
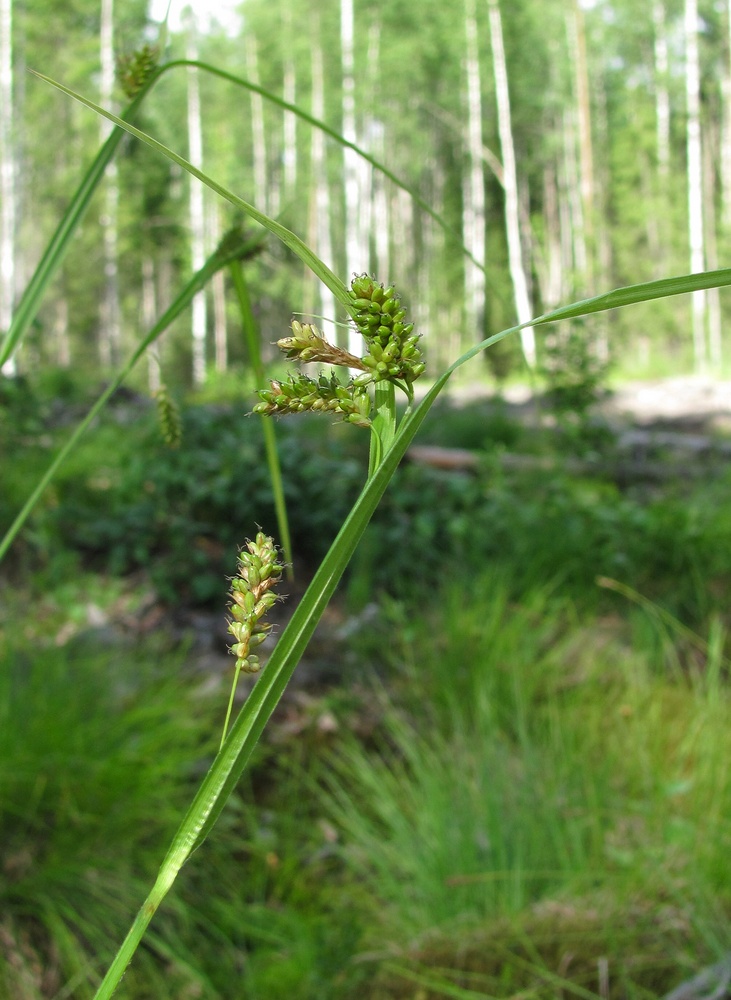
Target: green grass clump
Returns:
[[533, 765], [97, 755], [100, 748]]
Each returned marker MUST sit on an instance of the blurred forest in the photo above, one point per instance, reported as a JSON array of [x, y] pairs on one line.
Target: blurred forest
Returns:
[[569, 147]]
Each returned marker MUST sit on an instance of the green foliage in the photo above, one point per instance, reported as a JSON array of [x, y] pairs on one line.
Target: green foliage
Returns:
[[98, 753], [573, 370], [127, 500], [532, 766], [100, 749]]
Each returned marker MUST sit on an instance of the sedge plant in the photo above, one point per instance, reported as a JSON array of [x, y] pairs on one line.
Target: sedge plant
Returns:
[[391, 362]]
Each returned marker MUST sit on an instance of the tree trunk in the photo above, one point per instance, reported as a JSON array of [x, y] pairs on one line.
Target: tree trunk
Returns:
[[355, 259], [218, 292], [709, 145], [110, 333], [196, 211], [695, 180], [473, 201], [726, 141], [320, 222], [62, 343], [577, 53], [662, 95], [7, 177], [257, 127], [148, 315], [523, 307], [289, 133]]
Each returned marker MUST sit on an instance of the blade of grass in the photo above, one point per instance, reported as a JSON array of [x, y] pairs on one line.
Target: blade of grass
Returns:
[[659, 614], [287, 237], [54, 253], [346, 144], [230, 249]]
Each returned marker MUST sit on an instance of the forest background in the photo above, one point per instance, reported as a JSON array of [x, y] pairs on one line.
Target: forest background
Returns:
[[601, 159]]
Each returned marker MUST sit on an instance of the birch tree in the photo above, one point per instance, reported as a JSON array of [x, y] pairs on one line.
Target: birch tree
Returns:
[[110, 332], [473, 201], [289, 134], [7, 176], [354, 254], [257, 126], [726, 141], [523, 307], [662, 94], [320, 217], [695, 180], [196, 210]]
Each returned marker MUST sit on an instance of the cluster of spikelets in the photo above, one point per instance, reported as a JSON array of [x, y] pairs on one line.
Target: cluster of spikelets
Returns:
[[392, 354], [259, 570], [168, 415], [135, 69]]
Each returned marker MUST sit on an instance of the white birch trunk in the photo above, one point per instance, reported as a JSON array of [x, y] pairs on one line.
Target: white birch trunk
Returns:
[[709, 144], [289, 132], [577, 54], [354, 255], [110, 333], [7, 177], [196, 212], [323, 239], [381, 217], [473, 222], [218, 293], [512, 210], [61, 333], [726, 134], [662, 94], [551, 272], [575, 231], [257, 127], [148, 316], [695, 180]]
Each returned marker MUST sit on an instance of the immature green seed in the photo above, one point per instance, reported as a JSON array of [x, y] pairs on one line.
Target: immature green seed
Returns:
[[362, 286]]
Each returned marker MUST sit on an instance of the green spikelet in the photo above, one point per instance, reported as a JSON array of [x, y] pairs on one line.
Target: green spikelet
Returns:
[[322, 395], [259, 569], [392, 350], [134, 70], [168, 414]]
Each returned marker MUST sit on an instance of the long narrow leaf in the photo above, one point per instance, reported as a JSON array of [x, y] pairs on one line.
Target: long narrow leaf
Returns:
[[54, 253], [290, 239], [345, 143]]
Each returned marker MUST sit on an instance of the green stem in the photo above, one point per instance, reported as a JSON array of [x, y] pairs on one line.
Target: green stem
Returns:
[[230, 704], [270, 438], [383, 429]]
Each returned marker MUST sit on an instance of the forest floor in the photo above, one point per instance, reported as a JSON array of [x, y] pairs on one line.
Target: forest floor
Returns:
[[685, 399]]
